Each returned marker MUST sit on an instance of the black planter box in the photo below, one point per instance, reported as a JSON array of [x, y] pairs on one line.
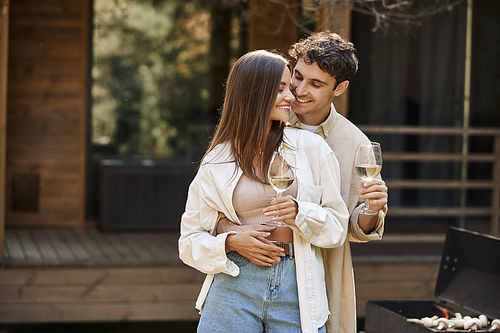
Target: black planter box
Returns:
[[468, 282], [142, 195]]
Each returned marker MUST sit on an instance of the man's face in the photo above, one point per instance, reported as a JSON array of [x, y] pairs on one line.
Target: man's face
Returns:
[[314, 92]]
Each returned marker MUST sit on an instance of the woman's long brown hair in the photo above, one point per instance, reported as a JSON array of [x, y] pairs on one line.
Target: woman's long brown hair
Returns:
[[251, 90]]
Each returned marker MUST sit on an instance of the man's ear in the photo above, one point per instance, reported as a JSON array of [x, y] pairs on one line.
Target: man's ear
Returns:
[[341, 88]]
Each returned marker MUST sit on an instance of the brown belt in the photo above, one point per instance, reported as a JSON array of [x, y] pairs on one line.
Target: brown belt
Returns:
[[287, 246]]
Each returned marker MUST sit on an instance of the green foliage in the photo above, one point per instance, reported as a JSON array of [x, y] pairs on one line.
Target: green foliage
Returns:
[[149, 74]]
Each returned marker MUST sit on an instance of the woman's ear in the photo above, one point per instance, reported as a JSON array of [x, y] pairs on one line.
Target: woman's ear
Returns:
[[341, 88]]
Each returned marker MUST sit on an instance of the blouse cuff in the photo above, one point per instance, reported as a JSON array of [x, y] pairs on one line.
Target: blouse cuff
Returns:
[[231, 267]]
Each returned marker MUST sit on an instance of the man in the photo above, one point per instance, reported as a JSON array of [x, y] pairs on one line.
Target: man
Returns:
[[325, 64]]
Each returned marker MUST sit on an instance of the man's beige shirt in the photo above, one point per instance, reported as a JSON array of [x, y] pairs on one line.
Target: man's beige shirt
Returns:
[[344, 137]]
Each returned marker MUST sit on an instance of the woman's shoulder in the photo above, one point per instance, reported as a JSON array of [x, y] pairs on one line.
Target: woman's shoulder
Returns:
[[219, 154]]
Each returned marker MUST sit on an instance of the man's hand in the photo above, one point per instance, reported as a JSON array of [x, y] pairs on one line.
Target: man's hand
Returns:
[[376, 192], [250, 241]]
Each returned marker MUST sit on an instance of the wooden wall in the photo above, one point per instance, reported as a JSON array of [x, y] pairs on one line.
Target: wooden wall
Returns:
[[99, 294], [46, 112], [390, 281], [145, 293]]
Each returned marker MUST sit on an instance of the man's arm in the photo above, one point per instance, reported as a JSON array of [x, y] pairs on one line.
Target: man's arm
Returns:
[[376, 192], [225, 225]]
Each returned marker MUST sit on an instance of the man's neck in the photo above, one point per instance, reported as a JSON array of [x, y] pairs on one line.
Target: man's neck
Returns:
[[312, 129], [313, 119]]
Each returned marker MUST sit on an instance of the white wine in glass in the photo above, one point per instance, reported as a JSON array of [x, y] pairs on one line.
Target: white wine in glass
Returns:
[[281, 175], [368, 165]]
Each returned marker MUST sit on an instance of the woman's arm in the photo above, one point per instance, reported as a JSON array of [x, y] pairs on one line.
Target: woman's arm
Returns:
[[197, 246], [200, 248]]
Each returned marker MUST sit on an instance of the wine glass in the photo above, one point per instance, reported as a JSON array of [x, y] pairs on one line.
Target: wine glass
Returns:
[[368, 165], [280, 174]]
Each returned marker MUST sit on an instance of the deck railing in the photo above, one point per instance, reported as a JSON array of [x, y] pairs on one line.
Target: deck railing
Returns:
[[465, 157]]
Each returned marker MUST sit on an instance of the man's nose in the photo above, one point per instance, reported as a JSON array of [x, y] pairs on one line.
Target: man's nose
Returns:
[[299, 89]]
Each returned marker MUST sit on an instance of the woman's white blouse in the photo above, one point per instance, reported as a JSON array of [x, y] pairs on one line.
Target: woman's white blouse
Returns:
[[321, 222]]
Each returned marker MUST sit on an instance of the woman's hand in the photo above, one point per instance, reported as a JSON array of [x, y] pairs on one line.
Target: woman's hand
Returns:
[[282, 208], [254, 246]]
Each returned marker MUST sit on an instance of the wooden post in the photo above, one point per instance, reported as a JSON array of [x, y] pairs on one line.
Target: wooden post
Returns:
[[337, 19], [466, 113], [495, 199], [85, 63], [270, 26], [4, 54]]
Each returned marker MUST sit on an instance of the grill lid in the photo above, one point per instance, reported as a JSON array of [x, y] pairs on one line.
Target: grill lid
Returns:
[[469, 273]]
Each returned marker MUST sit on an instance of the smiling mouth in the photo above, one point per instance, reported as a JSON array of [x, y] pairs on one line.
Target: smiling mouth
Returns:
[[302, 100], [284, 107]]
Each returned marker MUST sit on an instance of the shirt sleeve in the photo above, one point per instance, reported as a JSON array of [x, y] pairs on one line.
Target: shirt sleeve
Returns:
[[198, 246], [356, 234]]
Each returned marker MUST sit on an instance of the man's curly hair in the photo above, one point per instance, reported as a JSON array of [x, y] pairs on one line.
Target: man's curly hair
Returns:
[[333, 54]]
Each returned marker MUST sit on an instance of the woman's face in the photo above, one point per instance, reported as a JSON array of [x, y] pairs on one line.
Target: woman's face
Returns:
[[281, 109]]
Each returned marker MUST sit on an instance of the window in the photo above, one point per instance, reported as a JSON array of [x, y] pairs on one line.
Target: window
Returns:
[[149, 73], [149, 94]]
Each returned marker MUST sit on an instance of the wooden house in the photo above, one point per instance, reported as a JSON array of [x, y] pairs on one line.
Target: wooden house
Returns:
[[57, 266]]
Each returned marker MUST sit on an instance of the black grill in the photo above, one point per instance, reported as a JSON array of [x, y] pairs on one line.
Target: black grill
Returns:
[[468, 282]]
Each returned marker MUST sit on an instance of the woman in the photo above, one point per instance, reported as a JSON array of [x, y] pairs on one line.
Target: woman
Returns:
[[238, 295]]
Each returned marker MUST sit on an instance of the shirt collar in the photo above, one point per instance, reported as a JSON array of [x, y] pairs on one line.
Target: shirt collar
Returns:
[[324, 128]]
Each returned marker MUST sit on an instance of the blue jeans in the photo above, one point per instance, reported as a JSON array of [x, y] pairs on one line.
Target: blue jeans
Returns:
[[259, 299]]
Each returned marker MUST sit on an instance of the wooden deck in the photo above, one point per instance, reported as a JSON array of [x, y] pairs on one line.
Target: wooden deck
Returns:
[[88, 247], [84, 275], [69, 275]]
